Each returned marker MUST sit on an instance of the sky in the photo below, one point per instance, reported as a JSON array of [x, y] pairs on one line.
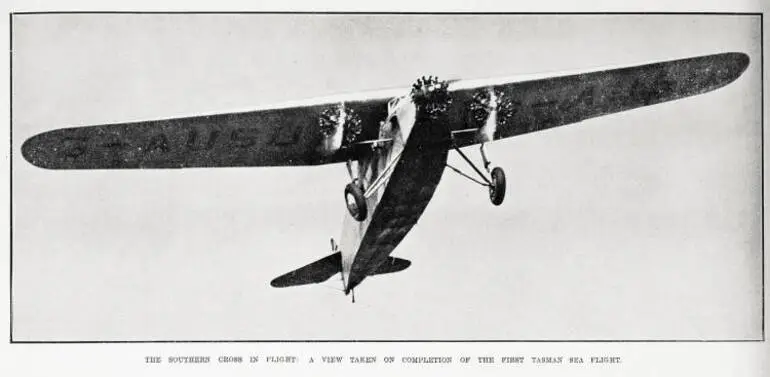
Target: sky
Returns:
[[639, 225]]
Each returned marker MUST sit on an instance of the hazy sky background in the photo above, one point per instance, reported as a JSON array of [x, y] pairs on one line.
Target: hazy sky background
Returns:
[[639, 225]]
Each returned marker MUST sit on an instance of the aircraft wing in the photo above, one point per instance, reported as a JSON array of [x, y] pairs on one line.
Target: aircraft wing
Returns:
[[283, 135], [334, 129], [525, 105]]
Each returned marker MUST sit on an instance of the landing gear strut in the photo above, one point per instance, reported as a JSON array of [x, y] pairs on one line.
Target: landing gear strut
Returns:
[[496, 182], [484, 158]]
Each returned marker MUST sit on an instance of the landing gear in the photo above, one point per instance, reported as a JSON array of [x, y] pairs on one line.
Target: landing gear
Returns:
[[497, 189], [354, 199], [354, 195], [484, 158], [496, 182]]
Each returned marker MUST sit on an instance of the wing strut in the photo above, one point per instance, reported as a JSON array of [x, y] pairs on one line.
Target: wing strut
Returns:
[[488, 183], [381, 178], [495, 183], [456, 170]]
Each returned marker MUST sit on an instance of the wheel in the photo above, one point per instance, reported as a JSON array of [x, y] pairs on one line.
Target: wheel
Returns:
[[354, 199], [497, 191]]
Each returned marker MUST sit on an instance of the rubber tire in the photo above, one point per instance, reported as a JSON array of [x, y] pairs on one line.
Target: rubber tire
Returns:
[[354, 191], [497, 191]]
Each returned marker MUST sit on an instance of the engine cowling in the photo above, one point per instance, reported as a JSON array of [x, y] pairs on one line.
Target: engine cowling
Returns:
[[431, 96], [340, 126]]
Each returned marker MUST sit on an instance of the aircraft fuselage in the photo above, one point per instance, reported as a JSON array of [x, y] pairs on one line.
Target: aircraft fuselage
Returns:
[[413, 168]]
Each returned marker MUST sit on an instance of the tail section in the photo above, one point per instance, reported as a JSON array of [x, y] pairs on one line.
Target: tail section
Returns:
[[324, 268], [391, 265], [314, 273]]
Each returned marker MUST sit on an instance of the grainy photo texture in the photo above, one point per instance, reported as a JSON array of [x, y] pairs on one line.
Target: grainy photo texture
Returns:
[[386, 177]]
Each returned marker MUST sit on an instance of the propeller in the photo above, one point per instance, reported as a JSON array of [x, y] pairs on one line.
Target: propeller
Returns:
[[485, 101], [340, 116], [328, 121]]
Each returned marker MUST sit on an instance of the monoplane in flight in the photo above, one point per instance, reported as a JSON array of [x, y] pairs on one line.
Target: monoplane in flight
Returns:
[[394, 143]]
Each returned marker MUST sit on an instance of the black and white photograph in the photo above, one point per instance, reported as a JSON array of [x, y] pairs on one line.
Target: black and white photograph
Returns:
[[274, 177]]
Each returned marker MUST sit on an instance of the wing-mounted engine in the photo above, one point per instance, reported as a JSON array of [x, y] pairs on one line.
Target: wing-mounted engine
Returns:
[[340, 127], [488, 109]]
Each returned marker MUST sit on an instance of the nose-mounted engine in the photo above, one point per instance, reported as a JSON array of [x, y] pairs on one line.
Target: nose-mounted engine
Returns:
[[340, 126], [431, 96]]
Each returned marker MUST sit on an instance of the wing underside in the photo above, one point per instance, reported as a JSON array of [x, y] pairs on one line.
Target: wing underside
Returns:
[[274, 137], [539, 104], [320, 132]]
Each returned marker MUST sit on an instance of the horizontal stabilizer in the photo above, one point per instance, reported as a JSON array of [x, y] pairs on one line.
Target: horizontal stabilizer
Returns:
[[392, 265], [316, 272], [324, 268]]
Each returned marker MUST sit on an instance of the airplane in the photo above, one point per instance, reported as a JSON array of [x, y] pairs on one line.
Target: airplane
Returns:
[[394, 143]]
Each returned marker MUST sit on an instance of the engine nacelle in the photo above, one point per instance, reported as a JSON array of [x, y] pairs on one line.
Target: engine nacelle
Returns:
[[340, 126]]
